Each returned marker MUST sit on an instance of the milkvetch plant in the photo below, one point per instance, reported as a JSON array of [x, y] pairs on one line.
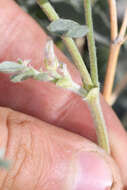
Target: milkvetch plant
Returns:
[[56, 72]]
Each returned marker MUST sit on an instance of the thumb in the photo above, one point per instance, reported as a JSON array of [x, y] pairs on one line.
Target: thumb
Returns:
[[46, 157]]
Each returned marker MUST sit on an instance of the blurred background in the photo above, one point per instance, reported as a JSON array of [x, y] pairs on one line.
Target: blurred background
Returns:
[[73, 9]]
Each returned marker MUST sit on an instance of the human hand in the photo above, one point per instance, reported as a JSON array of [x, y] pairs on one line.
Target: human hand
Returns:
[[44, 156]]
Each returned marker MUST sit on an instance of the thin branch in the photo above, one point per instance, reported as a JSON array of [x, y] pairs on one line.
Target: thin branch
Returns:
[[111, 69], [91, 43], [124, 26], [93, 98], [113, 54], [113, 19], [116, 42]]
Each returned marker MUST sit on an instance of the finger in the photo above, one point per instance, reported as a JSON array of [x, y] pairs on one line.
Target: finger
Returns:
[[23, 38], [46, 157]]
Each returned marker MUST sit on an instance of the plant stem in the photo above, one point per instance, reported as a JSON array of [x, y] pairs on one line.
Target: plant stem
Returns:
[[123, 26], [111, 69], [113, 19], [114, 52], [69, 42], [78, 61], [95, 108], [93, 98], [116, 41], [91, 43], [48, 10]]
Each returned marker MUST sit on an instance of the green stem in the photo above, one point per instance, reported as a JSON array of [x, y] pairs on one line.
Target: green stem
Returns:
[[78, 62], [93, 98], [91, 43], [69, 42], [95, 108], [48, 9]]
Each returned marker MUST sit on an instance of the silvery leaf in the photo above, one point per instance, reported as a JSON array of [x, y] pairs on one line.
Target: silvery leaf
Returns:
[[43, 77], [11, 67], [23, 76], [68, 28]]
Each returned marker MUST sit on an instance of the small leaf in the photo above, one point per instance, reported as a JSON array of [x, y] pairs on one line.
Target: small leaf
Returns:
[[23, 76], [68, 28], [11, 67], [50, 60], [43, 77]]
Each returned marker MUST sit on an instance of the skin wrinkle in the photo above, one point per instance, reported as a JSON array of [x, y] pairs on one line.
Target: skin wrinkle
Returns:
[[19, 168], [9, 179], [55, 168], [48, 163], [29, 154], [63, 110], [55, 109], [43, 166], [23, 160], [40, 168], [53, 159], [64, 114]]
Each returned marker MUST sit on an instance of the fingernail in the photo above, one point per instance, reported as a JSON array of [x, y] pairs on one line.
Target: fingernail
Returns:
[[93, 174]]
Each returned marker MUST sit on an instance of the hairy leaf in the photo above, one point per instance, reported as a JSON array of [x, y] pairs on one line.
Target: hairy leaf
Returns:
[[23, 76], [43, 77], [68, 28], [11, 67]]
